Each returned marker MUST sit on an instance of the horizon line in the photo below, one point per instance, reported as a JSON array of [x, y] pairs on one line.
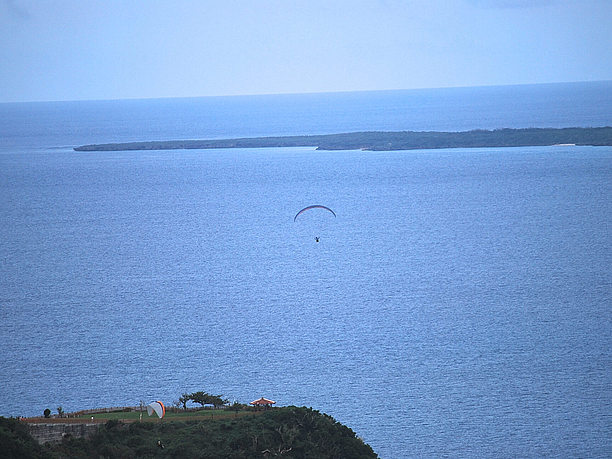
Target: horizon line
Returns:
[[305, 93]]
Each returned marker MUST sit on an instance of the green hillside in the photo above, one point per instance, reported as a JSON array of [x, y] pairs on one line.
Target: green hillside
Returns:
[[288, 432]]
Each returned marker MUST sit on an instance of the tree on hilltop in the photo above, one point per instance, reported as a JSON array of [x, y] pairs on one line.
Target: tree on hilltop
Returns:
[[183, 399], [203, 398]]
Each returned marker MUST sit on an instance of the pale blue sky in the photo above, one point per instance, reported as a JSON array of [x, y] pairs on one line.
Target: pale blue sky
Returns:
[[112, 49]]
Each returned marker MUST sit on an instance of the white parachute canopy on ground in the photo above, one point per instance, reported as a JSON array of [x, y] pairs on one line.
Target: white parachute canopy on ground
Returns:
[[156, 407]]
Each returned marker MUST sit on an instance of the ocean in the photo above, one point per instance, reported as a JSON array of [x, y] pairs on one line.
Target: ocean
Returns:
[[458, 305]]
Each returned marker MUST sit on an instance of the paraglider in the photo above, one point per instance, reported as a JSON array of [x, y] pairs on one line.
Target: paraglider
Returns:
[[316, 206], [157, 408]]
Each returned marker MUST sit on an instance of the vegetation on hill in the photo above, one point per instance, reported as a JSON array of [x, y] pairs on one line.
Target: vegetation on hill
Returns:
[[16, 442], [405, 140], [288, 432]]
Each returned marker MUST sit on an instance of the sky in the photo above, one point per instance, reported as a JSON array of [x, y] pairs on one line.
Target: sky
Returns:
[[117, 49]]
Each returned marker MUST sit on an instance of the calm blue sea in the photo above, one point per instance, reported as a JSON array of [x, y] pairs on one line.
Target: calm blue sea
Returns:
[[460, 305]]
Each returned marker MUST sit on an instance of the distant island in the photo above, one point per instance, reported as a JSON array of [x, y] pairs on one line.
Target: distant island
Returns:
[[388, 141]]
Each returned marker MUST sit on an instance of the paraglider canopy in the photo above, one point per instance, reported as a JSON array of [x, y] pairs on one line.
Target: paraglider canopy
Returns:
[[157, 408], [316, 206]]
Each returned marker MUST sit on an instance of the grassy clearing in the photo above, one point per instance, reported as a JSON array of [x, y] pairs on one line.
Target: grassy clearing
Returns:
[[132, 416]]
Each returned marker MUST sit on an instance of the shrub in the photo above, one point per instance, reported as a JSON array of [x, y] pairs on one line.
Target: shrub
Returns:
[[15, 441]]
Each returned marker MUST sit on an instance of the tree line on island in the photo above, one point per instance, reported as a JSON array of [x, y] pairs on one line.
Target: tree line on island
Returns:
[[388, 141]]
